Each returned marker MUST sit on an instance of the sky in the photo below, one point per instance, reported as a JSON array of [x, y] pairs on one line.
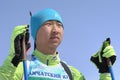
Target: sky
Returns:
[[87, 23]]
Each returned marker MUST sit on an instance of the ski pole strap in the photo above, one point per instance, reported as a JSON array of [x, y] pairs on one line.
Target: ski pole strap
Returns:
[[67, 69]]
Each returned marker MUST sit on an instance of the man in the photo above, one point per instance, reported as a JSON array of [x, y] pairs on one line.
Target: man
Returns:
[[47, 31]]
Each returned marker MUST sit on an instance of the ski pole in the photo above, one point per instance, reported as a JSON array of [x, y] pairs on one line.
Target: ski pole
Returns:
[[106, 43], [110, 68], [109, 63], [24, 57]]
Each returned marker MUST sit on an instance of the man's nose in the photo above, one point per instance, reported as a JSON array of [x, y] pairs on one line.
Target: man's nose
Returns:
[[55, 28]]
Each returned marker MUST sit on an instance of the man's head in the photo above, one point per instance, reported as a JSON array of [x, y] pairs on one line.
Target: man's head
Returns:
[[47, 30], [39, 18]]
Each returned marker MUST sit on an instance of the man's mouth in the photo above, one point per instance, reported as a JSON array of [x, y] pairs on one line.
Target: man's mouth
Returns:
[[54, 38]]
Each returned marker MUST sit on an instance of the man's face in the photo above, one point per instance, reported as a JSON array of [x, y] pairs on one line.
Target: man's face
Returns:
[[50, 35]]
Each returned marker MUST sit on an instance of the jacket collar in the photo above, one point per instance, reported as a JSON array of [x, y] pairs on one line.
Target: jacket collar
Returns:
[[47, 59]]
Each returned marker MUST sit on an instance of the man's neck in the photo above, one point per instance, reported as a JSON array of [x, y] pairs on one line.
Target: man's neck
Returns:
[[47, 51]]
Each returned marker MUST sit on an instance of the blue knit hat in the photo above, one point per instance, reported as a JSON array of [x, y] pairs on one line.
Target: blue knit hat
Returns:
[[38, 19]]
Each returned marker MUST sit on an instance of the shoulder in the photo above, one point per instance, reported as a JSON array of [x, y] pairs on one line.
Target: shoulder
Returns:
[[76, 73]]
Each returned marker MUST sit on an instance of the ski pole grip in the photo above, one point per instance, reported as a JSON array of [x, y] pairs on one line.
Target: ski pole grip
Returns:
[[105, 43]]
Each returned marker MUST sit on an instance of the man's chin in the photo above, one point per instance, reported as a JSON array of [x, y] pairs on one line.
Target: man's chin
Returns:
[[54, 45]]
